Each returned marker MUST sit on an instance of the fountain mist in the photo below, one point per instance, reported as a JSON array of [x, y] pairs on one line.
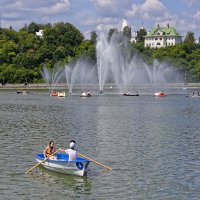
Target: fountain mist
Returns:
[[52, 76]]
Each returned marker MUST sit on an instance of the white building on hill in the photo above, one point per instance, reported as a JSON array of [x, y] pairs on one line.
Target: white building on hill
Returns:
[[40, 33], [162, 37]]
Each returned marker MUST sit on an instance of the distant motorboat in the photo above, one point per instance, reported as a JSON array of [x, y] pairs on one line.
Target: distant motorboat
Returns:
[[24, 92], [194, 94], [160, 94], [128, 94], [53, 94], [61, 94], [85, 94]]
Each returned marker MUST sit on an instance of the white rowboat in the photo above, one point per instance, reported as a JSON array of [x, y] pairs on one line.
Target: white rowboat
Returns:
[[61, 164], [61, 94]]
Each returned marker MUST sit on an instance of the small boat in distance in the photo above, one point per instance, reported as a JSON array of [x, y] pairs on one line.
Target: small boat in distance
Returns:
[[160, 94], [85, 94], [61, 164], [129, 94], [24, 92], [61, 94], [194, 94], [53, 94]]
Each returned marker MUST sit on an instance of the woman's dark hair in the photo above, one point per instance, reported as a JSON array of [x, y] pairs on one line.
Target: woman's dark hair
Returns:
[[72, 141], [51, 142]]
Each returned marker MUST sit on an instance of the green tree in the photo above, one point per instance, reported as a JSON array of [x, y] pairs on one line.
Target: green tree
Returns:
[[189, 38], [140, 35], [127, 32], [59, 53], [7, 52], [93, 36], [87, 50], [33, 28], [22, 55]]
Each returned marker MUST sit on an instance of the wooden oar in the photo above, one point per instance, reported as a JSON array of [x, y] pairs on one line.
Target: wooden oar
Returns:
[[94, 161], [42, 161]]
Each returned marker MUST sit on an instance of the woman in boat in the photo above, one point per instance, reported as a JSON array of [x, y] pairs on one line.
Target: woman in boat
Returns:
[[71, 152], [50, 149]]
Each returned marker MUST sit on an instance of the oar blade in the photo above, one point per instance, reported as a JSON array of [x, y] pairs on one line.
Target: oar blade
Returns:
[[41, 162], [98, 163]]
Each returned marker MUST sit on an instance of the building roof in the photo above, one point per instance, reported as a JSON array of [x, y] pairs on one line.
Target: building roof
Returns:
[[166, 31]]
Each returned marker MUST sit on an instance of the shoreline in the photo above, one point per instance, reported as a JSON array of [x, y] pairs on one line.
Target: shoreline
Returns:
[[95, 86]]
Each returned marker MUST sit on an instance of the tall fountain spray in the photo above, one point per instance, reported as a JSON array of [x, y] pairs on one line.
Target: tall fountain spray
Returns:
[[114, 59], [80, 73], [52, 76], [102, 54], [118, 65], [159, 73], [68, 75]]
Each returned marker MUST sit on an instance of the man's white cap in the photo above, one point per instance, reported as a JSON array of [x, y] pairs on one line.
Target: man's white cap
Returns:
[[72, 144]]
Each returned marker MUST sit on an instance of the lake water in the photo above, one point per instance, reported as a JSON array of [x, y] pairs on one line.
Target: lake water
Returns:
[[152, 144]]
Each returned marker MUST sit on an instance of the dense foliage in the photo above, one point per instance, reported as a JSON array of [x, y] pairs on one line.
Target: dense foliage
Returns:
[[185, 57], [23, 54]]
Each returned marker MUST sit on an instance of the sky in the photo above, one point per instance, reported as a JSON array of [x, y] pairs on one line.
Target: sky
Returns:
[[101, 15]]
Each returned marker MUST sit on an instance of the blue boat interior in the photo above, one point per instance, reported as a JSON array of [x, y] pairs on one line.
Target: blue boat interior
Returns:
[[61, 158]]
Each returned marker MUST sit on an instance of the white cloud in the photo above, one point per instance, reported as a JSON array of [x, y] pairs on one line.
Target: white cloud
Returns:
[[186, 25], [111, 8], [103, 3], [103, 14], [149, 10], [28, 8], [191, 2], [87, 34], [57, 8], [105, 27], [94, 21], [182, 23], [19, 12], [197, 15]]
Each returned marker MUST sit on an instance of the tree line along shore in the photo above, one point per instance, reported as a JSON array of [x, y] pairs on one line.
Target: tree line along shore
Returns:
[[63, 86], [23, 54]]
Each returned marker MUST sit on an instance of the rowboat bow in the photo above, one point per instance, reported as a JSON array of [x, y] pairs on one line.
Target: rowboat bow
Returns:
[[61, 164]]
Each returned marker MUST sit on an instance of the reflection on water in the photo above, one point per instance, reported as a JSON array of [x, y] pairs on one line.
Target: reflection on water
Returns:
[[152, 144], [66, 186]]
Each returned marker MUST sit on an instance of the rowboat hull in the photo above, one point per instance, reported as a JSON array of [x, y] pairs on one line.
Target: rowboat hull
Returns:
[[23, 92], [85, 94], [62, 165], [131, 95], [61, 94], [160, 94], [53, 94]]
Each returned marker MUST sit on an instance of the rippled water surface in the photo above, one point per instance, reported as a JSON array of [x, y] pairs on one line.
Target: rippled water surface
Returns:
[[152, 144]]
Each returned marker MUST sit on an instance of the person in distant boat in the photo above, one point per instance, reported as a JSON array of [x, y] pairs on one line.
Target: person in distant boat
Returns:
[[49, 150], [72, 153]]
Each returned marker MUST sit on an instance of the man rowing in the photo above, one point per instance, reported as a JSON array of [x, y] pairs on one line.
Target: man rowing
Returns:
[[72, 153]]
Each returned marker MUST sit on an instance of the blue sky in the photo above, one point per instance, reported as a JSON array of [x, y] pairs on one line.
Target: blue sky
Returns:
[[101, 15]]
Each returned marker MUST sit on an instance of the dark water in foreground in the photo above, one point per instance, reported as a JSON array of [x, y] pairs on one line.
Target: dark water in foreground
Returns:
[[152, 144]]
